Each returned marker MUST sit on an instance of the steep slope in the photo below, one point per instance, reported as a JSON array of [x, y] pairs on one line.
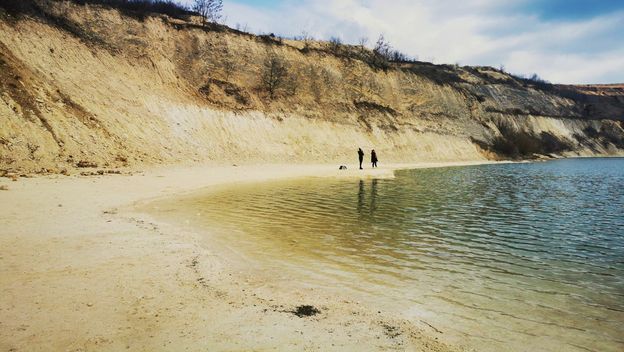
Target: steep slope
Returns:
[[89, 85]]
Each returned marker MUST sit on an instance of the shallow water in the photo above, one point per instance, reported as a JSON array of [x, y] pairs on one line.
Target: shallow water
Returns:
[[517, 257]]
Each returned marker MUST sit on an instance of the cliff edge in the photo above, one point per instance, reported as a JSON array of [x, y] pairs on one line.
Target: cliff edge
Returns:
[[91, 85]]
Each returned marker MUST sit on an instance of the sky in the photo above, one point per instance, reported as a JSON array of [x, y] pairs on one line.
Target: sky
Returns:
[[563, 41]]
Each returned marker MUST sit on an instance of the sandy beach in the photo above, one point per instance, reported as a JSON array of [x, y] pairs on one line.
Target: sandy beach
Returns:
[[81, 270], [112, 109]]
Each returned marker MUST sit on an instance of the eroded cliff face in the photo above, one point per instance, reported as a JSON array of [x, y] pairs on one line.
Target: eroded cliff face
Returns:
[[87, 85]]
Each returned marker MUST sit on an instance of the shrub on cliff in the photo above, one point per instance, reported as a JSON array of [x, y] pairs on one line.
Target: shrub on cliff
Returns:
[[16, 7], [134, 8], [208, 10], [274, 75], [142, 8]]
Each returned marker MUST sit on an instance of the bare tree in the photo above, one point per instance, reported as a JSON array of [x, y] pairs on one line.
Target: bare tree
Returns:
[[382, 47], [201, 7], [242, 27], [363, 41], [335, 44], [274, 74], [384, 50], [208, 10], [305, 36], [307, 39], [536, 78]]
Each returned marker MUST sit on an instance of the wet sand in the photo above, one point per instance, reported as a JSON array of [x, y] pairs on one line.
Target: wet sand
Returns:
[[81, 270]]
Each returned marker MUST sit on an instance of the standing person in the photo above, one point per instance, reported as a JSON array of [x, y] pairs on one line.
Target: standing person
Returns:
[[374, 158], [361, 156]]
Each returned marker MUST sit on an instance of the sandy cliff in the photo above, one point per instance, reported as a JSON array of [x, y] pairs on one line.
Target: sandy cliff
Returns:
[[88, 85]]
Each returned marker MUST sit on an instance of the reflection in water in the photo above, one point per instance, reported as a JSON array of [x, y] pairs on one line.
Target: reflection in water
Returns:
[[361, 197], [373, 203], [519, 257], [361, 204]]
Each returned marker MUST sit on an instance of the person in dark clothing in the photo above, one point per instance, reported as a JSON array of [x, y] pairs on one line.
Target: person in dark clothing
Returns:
[[361, 156], [374, 158]]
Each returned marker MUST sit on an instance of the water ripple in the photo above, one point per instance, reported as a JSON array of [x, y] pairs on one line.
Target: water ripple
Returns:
[[501, 250]]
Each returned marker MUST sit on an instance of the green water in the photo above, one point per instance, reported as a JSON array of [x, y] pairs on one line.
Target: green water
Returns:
[[516, 257]]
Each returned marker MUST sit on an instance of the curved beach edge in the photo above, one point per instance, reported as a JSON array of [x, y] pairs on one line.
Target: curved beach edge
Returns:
[[82, 269]]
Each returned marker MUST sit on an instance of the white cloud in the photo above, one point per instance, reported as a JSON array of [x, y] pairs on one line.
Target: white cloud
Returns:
[[572, 68], [474, 32]]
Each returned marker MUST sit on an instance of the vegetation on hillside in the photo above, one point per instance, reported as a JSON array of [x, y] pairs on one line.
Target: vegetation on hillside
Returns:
[[183, 60], [134, 8]]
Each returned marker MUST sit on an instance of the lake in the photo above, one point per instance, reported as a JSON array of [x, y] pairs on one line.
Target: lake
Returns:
[[514, 257]]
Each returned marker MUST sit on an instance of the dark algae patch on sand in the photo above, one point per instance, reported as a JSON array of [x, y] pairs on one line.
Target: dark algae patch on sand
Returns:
[[305, 311]]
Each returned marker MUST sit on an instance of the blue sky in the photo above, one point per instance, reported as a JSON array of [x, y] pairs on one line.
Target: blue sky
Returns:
[[572, 9], [564, 41]]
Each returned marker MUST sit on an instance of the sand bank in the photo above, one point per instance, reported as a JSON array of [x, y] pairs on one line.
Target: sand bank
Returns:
[[80, 270]]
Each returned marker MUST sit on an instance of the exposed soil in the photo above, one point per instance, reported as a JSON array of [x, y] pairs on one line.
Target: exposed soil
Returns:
[[99, 85]]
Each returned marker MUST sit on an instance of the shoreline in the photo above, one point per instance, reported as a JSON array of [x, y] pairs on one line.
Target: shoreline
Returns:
[[82, 271]]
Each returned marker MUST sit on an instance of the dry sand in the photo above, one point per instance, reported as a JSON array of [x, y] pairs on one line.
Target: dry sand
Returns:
[[80, 270]]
